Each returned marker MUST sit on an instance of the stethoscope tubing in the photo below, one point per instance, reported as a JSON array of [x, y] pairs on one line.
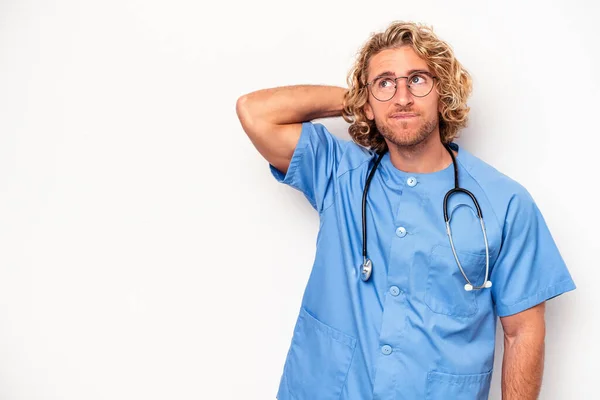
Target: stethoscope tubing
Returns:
[[367, 266]]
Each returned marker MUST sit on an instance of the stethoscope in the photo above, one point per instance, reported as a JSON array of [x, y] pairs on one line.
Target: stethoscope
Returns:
[[367, 266]]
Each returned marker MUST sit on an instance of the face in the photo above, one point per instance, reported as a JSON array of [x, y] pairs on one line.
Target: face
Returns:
[[403, 120]]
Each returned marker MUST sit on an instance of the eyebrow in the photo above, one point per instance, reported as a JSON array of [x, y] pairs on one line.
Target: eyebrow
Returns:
[[391, 73]]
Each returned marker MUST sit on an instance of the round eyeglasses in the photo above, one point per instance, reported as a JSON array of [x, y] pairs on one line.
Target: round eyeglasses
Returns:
[[419, 84]]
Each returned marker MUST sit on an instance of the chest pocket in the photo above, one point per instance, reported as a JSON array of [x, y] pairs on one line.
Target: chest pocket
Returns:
[[445, 292]]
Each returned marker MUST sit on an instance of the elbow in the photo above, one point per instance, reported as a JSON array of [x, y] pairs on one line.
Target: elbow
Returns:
[[241, 106], [243, 109]]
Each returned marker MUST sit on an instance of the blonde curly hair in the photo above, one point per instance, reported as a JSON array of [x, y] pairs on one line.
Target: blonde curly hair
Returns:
[[453, 85]]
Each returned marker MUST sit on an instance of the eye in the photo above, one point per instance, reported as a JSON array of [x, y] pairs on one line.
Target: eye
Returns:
[[384, 83], [419, 79]]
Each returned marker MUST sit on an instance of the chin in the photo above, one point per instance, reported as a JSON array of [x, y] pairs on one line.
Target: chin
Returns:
[[408, 140], [406, 137], [407, 134]]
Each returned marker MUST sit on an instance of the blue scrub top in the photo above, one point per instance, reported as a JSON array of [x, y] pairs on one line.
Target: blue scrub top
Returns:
[[412, 331]]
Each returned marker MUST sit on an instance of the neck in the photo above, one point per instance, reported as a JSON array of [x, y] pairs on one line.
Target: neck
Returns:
[[426, 157]]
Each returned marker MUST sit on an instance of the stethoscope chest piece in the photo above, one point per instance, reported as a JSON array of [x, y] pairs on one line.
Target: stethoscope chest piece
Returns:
[[366, 269]]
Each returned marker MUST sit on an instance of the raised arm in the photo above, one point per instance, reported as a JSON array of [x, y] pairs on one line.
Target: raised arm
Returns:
[[272, 118]]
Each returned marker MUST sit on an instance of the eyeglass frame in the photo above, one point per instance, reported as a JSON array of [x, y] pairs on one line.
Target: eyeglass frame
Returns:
[[433, 77]]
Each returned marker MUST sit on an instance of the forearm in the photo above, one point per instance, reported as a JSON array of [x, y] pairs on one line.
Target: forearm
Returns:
[[522, 366], [293, 104]]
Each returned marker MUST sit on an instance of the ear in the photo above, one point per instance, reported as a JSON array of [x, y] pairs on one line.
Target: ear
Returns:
[[369, 111]]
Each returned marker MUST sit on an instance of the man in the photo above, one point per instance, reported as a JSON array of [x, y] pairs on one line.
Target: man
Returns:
[[412, 315]]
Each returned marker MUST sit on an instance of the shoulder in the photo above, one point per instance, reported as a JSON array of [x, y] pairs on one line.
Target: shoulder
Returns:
[[504, 193], [349, 155], [490, 179]]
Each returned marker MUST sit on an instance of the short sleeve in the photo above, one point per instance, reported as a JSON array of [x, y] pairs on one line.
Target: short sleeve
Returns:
[[529, 269], [314, 164]]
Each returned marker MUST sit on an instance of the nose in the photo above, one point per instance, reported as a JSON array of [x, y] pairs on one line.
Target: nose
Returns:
[[403, 97]]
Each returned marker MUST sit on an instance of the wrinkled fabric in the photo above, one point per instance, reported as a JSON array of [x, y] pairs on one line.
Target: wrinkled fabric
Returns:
[[412, 331]]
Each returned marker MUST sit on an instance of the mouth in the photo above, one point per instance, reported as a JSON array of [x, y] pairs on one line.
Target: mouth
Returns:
[[403, 115]]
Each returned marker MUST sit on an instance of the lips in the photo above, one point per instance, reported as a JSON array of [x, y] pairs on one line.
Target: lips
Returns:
[[403, 115]]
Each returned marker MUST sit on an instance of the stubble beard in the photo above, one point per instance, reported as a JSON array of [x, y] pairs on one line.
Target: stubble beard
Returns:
[[405, 138]]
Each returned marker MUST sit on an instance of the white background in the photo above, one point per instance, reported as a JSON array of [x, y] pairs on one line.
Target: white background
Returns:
[[145, 250]]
